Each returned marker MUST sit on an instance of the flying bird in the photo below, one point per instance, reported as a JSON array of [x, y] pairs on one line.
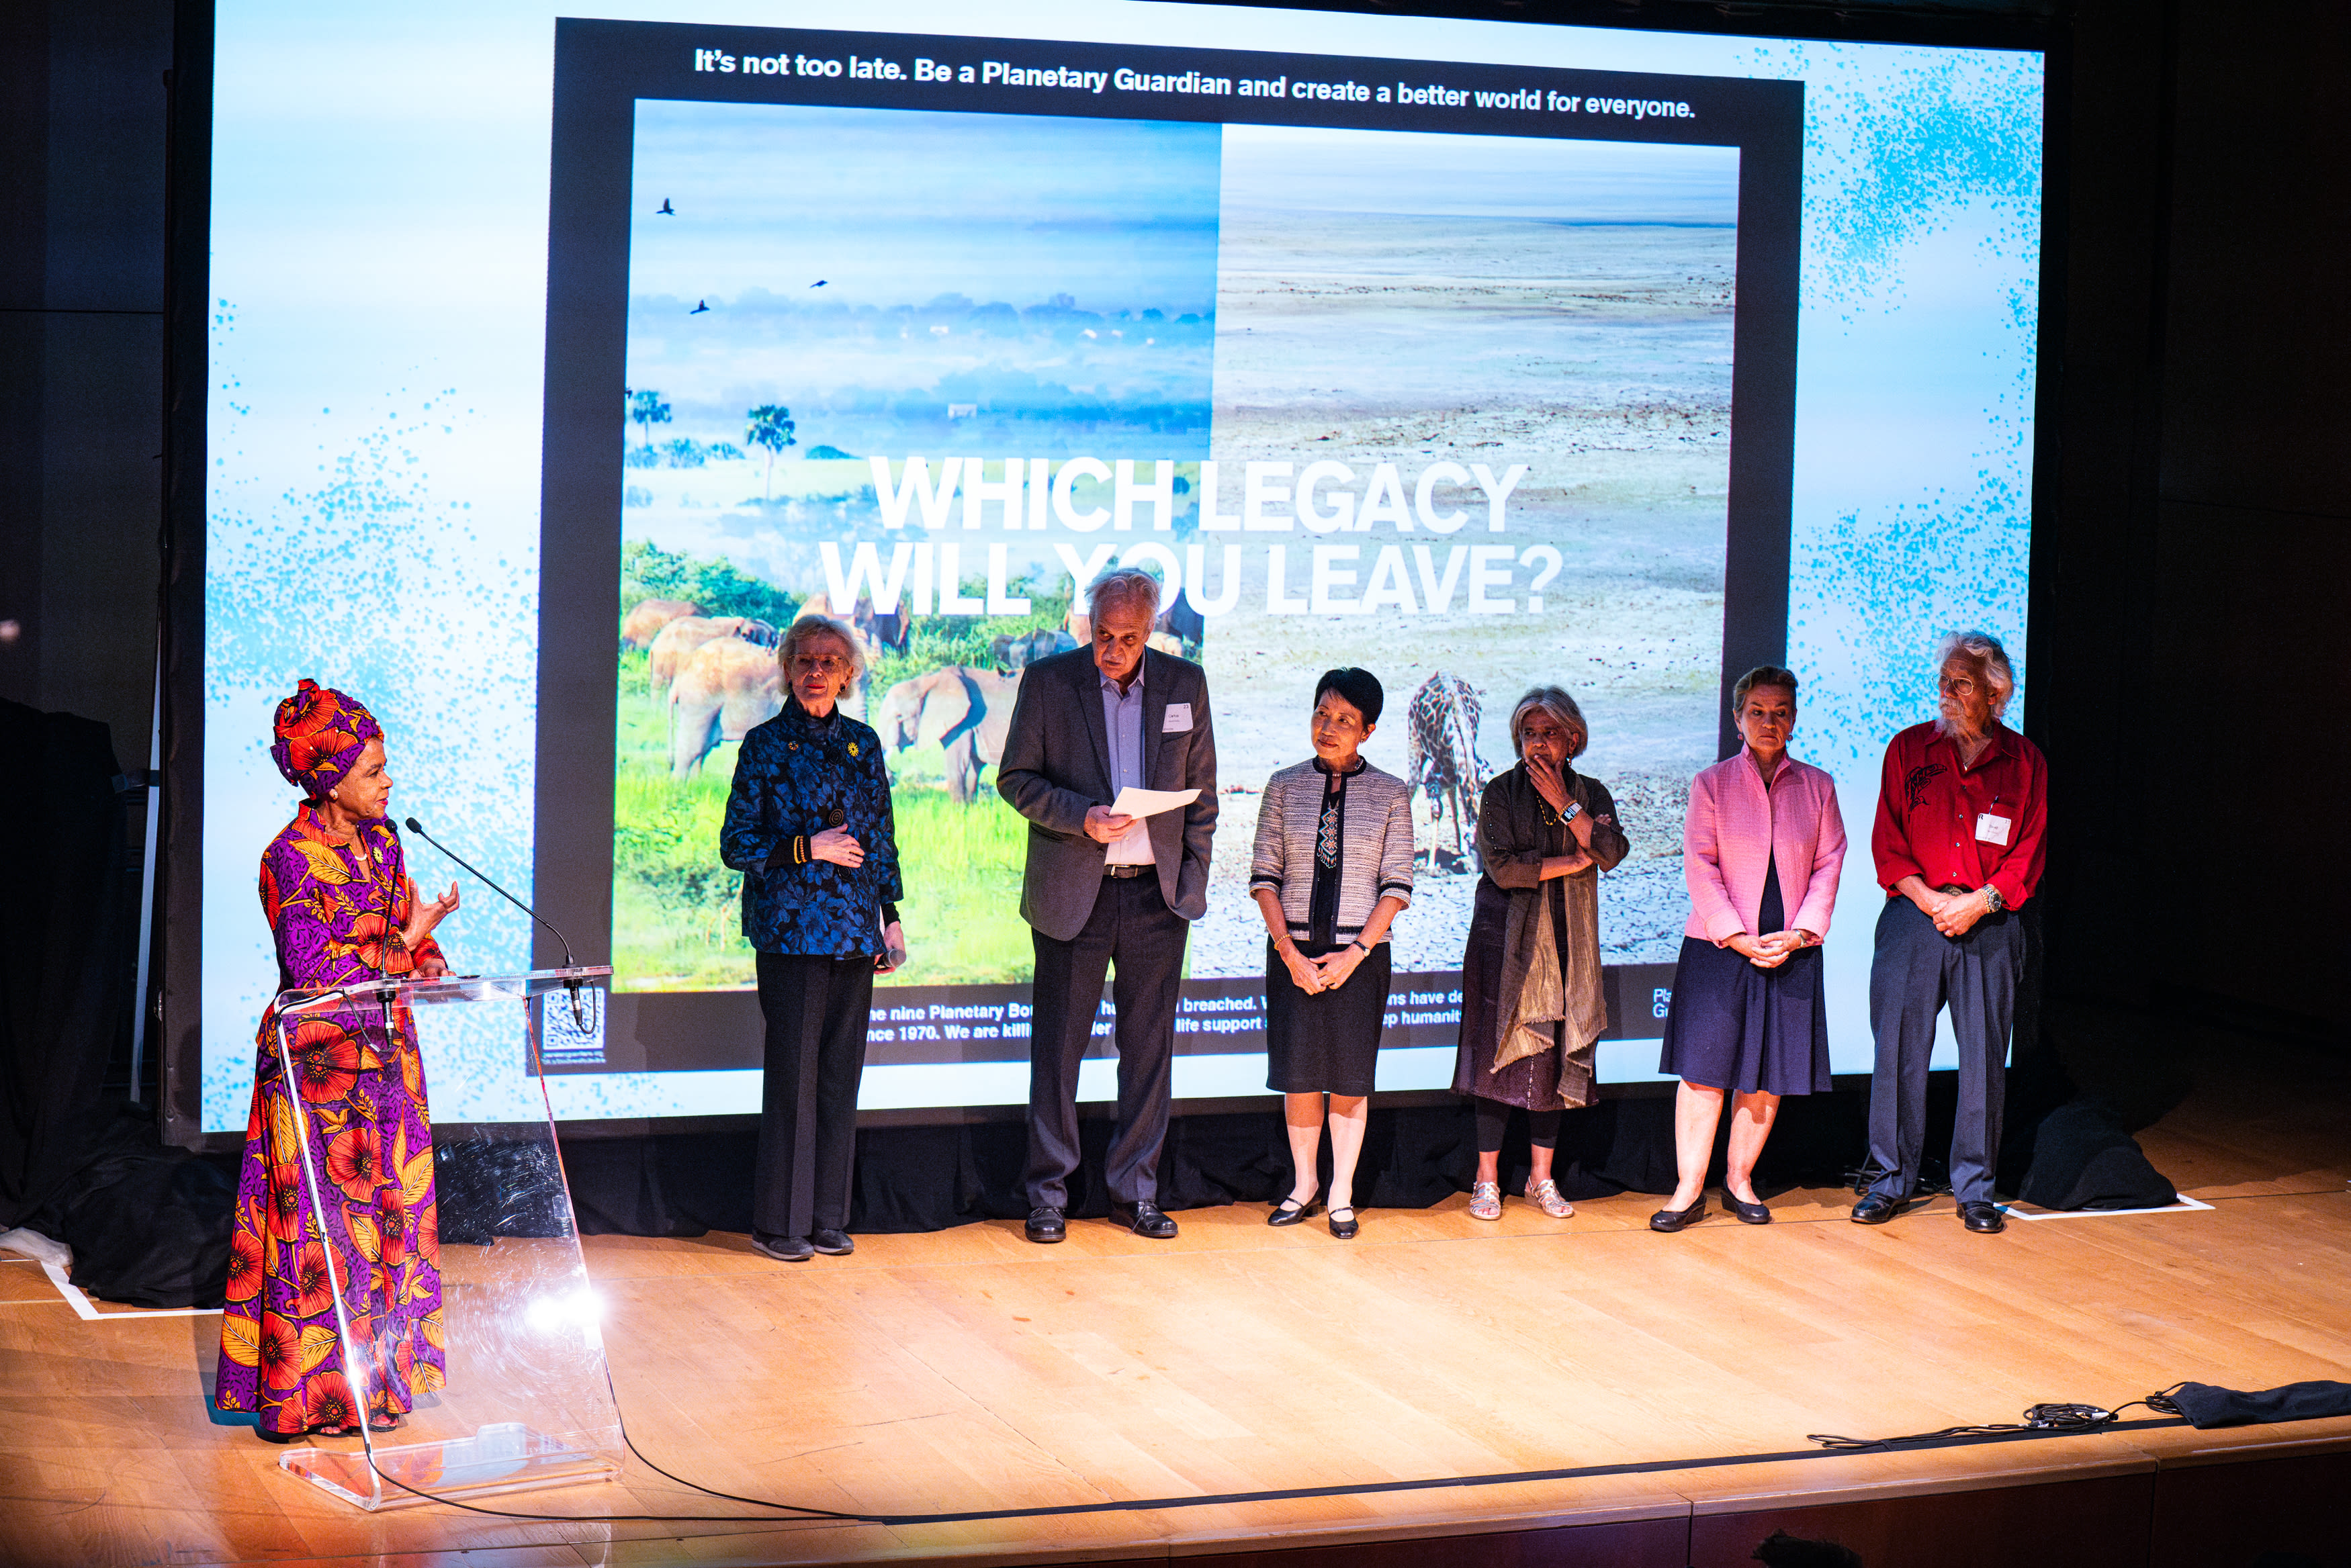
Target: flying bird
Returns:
[[666, 209], [820, 282], [699, 306]]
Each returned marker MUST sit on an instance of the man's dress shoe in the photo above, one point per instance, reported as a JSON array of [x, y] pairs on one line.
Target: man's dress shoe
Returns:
[[1144, 1220], [1876, 1209], [1045, 1224], [1983, 1218]]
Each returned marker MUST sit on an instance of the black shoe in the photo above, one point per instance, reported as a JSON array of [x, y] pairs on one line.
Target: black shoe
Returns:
[[783, 1249], [1343, 1228], [833, 1243], [1983, 1218], [1750, 1213], [1045, 1224], [1144, 1220], [1876, 1209], [1670, 1220], [1289, 1211]]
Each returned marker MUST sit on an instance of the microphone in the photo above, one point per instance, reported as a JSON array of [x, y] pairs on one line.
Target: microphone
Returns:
[[578, 1017]]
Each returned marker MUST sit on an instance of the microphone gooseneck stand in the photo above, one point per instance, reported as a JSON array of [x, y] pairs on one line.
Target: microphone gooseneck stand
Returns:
[[579, 1015]]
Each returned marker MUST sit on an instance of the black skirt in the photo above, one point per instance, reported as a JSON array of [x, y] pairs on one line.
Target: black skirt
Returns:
[[1733, 1026], [1324, 1042]]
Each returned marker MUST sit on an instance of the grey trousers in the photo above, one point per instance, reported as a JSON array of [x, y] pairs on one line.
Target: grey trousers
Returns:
[[1917, 971], [1133, 926]]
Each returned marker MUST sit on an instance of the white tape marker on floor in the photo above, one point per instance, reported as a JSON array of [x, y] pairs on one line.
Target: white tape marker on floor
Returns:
[[89, 1313], [2185, 1205]]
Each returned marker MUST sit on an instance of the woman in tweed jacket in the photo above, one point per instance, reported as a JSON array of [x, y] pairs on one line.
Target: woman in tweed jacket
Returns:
[[1333, 868]]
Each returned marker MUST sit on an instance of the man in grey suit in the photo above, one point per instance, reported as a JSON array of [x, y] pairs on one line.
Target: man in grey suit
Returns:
[[1103, 890]]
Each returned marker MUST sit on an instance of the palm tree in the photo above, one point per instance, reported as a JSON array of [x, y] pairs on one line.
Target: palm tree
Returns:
[[770, 425], [646, 409]]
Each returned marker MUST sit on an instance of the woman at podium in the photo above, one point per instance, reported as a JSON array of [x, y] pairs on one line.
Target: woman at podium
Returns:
[[351, 1124], [809, 824]]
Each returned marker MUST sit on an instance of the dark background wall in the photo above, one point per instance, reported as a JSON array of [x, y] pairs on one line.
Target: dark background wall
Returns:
[[82, 161], [2192, 535], [2193, 541]]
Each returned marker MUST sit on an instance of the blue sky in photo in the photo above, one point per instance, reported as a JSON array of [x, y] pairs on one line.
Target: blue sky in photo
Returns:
[[895, 207]]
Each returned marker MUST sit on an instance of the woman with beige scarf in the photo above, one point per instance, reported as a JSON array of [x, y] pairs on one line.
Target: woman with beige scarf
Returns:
[[1530, 1001]]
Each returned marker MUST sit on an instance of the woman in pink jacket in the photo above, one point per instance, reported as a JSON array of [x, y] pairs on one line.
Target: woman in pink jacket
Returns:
[[1762, 852]]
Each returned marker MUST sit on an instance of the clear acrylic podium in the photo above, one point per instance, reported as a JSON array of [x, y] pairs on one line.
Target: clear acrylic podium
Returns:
[[527, 1403]]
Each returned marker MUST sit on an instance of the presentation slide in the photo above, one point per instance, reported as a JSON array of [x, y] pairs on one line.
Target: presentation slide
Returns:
[[559, 363]]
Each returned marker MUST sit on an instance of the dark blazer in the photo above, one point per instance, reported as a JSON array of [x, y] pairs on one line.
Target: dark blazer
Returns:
[[1057, 764]]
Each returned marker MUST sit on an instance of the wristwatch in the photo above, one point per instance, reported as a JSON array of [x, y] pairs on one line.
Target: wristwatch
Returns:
[[1574, 809], [1993, 902]]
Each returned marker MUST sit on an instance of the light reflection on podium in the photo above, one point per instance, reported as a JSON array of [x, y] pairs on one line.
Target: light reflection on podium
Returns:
[[527, 1403]]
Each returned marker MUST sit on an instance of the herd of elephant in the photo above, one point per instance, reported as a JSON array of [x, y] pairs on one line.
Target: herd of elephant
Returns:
[[717, 677]]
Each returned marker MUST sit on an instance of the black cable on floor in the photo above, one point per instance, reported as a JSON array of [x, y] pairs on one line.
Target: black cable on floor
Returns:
[[1954, 1437], [2056, 1420], [1361, 1488], [631, 1518], [798, 1512]]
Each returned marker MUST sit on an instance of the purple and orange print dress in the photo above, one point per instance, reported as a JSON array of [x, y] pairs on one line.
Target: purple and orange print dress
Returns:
[[335, 906]]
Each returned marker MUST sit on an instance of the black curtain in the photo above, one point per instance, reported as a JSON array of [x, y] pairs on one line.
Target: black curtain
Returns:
[[912, 1179], [148, 1225], [64, 931]]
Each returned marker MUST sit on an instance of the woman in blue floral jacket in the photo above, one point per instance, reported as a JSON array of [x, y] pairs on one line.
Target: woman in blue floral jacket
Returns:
[[808, 826]]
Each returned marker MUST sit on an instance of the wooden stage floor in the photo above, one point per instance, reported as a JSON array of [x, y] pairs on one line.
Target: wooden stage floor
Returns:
[[969, 1370]]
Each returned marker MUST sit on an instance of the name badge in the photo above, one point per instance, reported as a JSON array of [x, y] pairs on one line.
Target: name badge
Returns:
[[1179, 720], [1992, 829]]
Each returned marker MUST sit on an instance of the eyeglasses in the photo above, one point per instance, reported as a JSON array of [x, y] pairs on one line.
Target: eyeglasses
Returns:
[[823, 663]]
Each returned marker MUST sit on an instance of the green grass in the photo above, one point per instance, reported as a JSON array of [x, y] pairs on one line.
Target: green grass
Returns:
[[677, 912], [961, 866]]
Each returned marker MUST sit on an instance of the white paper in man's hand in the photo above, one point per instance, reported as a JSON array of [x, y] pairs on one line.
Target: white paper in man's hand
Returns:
[[1134, 802]]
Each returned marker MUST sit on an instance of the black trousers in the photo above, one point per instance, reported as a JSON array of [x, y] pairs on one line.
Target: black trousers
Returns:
[[816, 1010], [1917, 972], [1493, 1119], [1133, 929]]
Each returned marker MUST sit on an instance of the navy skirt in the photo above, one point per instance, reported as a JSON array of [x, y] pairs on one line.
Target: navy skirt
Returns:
[[1733, 1026], [1324, 1042]]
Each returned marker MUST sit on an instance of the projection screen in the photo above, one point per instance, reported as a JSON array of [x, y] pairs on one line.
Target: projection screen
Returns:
[[1475, 354]]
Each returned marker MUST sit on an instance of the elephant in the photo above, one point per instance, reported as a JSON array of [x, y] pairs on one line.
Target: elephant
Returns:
[[1014, 654], [676, 642], [964, 711], [1185, 624], [726, 686], [643, 624], [878, 632]]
